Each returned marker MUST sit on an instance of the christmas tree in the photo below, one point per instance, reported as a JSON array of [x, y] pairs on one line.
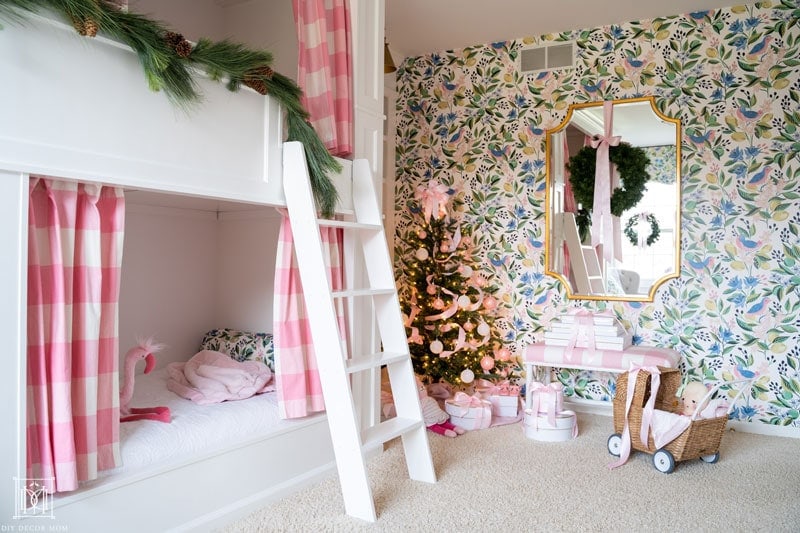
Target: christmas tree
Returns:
[[448, 306]]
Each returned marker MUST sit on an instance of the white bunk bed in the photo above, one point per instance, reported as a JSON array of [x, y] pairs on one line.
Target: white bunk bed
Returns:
[[79, 109]]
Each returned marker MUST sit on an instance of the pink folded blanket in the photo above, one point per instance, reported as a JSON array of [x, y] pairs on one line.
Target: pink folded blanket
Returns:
[[213, 377]]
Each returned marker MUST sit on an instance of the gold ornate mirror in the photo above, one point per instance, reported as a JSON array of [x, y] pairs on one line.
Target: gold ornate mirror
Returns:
[[640, 247]]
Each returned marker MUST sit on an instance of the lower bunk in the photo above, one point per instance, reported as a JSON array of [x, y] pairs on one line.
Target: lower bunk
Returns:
[[209, 463]]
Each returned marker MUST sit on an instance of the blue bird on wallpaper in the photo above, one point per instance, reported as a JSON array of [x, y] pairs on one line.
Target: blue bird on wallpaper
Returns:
[[759, 48], [698, 15], [632, 61], [743, 373], [701, 138], [415, 107], [592, 88], [747, 114], [534, 130], [757, 309], [456, 137], [745, 242], [700, 264], [497, 261], [536, 244], [498, 152], [541, 300], [759, 178]]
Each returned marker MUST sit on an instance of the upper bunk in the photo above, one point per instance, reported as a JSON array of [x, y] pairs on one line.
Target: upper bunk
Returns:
[[80, 108]]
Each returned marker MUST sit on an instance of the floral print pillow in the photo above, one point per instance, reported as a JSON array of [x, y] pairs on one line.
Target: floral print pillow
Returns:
[[241, 345]]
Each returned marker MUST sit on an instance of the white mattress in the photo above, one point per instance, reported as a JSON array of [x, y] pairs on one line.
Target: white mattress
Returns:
[[195, 430]]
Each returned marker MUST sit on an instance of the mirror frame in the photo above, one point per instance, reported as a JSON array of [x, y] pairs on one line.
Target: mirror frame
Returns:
[[548, 208]]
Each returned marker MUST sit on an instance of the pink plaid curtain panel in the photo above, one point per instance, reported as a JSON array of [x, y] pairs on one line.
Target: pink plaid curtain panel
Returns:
[[325, 70], [296, 375], [75, 234]]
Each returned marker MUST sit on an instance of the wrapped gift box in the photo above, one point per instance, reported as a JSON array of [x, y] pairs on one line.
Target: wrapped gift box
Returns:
[[537, 426], [469, 412], [504, 406]]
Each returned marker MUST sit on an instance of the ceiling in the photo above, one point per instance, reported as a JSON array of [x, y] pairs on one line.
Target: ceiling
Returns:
[[417, 27]]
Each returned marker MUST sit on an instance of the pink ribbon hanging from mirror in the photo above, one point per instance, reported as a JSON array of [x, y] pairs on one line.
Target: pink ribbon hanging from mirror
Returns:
[[602, 223]]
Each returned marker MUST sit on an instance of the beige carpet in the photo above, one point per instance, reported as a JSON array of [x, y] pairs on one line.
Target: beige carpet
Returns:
[[498, 480]]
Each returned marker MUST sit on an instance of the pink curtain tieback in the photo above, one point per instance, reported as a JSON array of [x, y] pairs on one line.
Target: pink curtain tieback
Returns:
[[602, 224]]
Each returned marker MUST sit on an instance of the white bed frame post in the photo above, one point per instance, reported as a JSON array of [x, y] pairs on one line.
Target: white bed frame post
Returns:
[[13, 276]]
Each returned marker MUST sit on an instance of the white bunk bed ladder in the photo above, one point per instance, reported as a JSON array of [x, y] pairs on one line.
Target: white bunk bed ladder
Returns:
[[335, 365], [582, 258]]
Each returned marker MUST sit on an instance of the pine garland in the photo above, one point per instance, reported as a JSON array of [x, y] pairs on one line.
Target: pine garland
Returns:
[[170, 63]]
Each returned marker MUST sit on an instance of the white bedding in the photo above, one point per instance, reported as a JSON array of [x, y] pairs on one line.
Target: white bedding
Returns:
[[194, 430]]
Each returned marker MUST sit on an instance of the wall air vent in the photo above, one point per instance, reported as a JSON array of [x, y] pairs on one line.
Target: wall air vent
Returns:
[[547, 57]]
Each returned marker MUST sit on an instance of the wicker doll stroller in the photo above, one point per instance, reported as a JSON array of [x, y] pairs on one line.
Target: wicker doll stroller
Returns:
[[700, 440]]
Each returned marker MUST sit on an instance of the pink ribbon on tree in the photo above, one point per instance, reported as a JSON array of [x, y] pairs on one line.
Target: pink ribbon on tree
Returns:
[[602, 223], [647, 411], [433, 197]]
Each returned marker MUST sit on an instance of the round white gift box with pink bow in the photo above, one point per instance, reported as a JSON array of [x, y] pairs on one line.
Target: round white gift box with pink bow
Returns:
[[562, 427]]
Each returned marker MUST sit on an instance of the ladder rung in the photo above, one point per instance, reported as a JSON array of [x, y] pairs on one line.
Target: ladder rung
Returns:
[[375, 360], [362, 292], [389, 429], [347, 224]]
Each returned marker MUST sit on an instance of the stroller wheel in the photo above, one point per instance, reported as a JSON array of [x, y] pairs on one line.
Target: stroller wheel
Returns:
[[664, 461], [614, 444], [713, 458]]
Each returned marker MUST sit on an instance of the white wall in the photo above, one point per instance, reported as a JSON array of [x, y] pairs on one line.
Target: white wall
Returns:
[[187, 268], [168, 282], [246, 269], [266, 25], [191, 18]]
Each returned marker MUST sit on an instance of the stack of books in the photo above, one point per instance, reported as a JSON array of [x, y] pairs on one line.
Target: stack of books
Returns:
[[606, 331]]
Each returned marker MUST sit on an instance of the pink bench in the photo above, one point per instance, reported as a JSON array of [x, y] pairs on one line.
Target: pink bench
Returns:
[[542, 355]]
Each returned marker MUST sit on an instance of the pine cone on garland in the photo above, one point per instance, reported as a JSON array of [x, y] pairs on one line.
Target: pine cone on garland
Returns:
[[255, 80], [85, 27], [176, 41]]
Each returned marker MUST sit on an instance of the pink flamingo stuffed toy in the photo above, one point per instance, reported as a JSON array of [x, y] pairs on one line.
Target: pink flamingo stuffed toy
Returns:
[[144, 350]]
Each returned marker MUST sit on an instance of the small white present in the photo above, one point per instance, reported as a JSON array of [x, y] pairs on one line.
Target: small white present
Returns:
[[504, 406], [547, 400], [469, 412], [563, 427]]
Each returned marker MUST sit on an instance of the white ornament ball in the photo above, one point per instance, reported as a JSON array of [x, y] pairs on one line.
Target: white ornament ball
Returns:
[[465, 271], [464, 301], [483, 328], [437, 346], [422, 254], [467, 376]]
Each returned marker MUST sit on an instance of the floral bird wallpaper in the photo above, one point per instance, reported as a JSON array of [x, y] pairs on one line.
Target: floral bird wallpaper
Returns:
[[471, 119]]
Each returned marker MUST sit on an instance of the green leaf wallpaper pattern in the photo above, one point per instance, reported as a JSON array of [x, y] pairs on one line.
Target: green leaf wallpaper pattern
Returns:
[[469, 118]]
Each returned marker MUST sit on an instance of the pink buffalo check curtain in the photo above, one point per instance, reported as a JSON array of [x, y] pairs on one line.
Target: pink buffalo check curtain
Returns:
[[296, 375], [75, 234], [325, 70]]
